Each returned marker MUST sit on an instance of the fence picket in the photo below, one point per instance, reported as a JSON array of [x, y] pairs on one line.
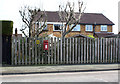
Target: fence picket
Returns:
[[82, 50], [48, 50], [42, 51], [64, 50], [29, 51], [106, 49], [119, 52], [13, 49], [23, 51], [76, 50], [93, 51], [61, 57], [19, 51], [90, 50], [26, 51], [73, 51], [39, 51], [111, 42], [96, 57], [87, 51], [70, 52], [103, 49], [67, 52], [116, 50], [32, 50], [35, 51], [51, 50], [54, 50], [58, 51]]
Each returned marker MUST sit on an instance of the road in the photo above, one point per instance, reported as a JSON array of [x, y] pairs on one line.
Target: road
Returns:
[[98, 76]]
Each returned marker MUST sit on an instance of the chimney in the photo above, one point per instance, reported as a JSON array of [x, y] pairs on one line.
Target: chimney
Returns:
[[15, 31]]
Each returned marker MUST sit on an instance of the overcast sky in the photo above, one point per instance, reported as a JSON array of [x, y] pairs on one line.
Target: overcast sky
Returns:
[[9, 9]]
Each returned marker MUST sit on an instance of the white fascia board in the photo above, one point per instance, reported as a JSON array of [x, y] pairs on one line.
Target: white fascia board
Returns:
[[55, 23]]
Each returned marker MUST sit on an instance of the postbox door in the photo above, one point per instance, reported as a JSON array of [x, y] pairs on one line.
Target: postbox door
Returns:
[[45, 43]]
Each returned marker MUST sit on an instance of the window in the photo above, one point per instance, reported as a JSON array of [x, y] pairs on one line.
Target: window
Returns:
[[56, 27], [41, 24], [103, 27], [76, 28], [89, 28]]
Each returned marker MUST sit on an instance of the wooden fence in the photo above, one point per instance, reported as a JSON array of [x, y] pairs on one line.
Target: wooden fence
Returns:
[[25, 51]]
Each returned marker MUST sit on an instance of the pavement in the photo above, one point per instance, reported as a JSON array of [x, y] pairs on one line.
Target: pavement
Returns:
[[12, 70]]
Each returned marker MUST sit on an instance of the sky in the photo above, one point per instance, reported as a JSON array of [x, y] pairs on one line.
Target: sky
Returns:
[[9, 9]]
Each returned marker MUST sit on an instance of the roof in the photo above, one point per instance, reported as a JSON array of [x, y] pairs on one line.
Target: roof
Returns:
[[113, 36], [95, 18], [103, 34], [86, 18]]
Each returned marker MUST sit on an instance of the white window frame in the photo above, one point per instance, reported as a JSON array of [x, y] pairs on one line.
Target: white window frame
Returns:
[[104, 28], [54, 27], [75, 27], [90, 26]]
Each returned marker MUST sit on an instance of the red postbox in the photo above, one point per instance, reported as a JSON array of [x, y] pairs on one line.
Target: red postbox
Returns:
[[45, 44]]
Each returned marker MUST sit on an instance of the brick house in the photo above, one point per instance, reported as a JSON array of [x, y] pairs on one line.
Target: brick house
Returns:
[[90, 24]]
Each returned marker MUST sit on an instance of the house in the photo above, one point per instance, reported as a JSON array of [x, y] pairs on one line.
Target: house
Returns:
[[95, 24]]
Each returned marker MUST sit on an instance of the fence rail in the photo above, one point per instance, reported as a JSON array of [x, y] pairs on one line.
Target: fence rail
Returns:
[[25, 51]]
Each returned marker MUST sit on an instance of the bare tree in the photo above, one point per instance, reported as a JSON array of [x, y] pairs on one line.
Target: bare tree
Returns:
[[35, 25], [68, 16]]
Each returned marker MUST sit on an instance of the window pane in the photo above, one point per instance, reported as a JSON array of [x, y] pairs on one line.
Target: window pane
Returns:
[[103, 27], [77, 28], [56, 27], [89, 28]]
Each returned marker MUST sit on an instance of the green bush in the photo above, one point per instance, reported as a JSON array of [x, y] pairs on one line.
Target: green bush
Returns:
[[7, 27], [91, 36]]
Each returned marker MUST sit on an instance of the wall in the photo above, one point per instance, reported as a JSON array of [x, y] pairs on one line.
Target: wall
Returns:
[[83, 32]]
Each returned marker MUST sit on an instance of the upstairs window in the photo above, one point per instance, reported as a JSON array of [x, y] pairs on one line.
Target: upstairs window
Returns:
[[56, 27], [103, 27], [89, 28], [76, 28]]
